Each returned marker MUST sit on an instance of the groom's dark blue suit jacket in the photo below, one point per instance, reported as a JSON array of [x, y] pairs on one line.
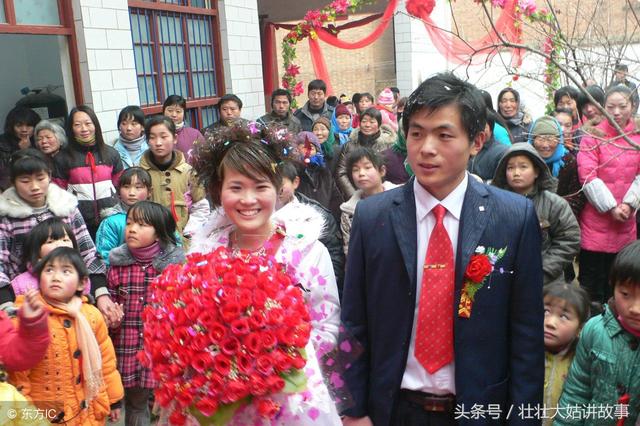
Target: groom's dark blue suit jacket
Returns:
[[499, 350]]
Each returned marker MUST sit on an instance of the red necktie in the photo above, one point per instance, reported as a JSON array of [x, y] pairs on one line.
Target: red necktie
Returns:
[[434, 329]]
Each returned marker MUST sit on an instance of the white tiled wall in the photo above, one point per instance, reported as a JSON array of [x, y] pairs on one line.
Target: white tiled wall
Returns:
[[106, 59], [241, 52], [416, 57]]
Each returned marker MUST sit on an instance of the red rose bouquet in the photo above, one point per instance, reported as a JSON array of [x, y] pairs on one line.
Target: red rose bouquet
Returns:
[[222, 331]]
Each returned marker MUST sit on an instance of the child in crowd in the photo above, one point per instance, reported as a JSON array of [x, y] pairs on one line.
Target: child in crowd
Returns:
[[371, 134], [242, 174], [24, 347], [79, 367], [341, 123], [131, 143], [41, 241], [604, 371], [33, 199], [87, 167], [523, 171], [386, 104], [327, 139], [566, 309], [175, 107], [150, 247], [134, 186], [363, 102], [18, 134], [174, 183], [367, 174]]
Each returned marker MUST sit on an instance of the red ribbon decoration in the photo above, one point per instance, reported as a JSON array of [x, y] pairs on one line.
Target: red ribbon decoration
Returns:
[[473, 52]]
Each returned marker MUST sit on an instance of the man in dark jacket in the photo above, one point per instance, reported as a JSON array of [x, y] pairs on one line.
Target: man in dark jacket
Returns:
[[315, 106], [281, 112], [621, 72], [485, 162]]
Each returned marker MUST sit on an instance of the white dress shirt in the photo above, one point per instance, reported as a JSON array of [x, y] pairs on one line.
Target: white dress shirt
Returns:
[[415, 376]]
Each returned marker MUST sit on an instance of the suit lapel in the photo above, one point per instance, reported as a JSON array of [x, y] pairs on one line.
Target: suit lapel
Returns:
[[476, 210], [403, 219]]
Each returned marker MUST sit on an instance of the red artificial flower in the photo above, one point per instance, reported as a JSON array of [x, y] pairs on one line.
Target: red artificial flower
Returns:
[[230, 311], [216, 331], [479, 268], [230, 345], [240, 327], [201, 362], [267, 408], [222, 364], [516, 77], [421, 9], [298, 89], [268, 340], [264, 364], [253, 343], [207, 406], [178, 418], [292, 70]]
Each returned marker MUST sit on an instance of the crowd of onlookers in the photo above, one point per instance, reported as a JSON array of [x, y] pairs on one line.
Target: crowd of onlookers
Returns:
[[78, 213]]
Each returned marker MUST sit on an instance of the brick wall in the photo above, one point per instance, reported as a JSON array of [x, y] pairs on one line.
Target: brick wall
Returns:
[[107, 65], [241, 52], [369, 69]]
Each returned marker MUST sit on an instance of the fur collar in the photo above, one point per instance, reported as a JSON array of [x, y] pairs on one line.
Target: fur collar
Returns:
[[60, 202], [121, 256], [303, 224], [349, 206]]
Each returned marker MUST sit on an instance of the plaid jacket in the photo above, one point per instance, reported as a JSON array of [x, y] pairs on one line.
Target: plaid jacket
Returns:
[[128, 283], [17, 218]]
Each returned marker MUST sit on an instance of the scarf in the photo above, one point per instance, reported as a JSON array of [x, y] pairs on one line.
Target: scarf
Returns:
[[368, 140], [555, 162], [89, 348], [335, 129], [145, 255], [628, 328], [317, 160], [91, 140], [327, 146], [179, 126], [401, 144], [132, 145]]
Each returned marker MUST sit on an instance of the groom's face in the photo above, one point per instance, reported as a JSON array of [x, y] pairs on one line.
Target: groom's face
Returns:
[[438, 148]]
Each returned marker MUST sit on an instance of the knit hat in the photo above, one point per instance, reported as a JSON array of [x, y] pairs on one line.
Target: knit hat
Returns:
[[386, 97], [313, 139], [342, 110], [324, 121], [545, 126]]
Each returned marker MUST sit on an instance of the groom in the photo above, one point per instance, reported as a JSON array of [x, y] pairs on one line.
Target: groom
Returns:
[[444, 282]]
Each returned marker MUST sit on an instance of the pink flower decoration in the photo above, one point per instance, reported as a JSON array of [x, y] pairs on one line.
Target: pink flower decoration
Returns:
[[340, 6], [498, 3], [527, 6], [293, 70]]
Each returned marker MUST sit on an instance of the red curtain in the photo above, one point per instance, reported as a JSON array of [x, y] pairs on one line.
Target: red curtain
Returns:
[[269, 62], [319, 64]]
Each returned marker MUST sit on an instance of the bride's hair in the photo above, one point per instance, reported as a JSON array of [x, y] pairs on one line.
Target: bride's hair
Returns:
[[250, 149]]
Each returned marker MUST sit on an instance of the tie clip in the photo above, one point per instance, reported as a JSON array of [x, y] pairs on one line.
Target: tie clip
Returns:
[[435, 266]]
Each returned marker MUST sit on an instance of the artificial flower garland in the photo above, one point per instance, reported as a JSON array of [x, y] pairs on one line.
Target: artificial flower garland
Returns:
[[317, 18]]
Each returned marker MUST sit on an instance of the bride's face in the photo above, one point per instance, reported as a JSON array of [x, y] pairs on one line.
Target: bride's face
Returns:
[[248, 203]]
